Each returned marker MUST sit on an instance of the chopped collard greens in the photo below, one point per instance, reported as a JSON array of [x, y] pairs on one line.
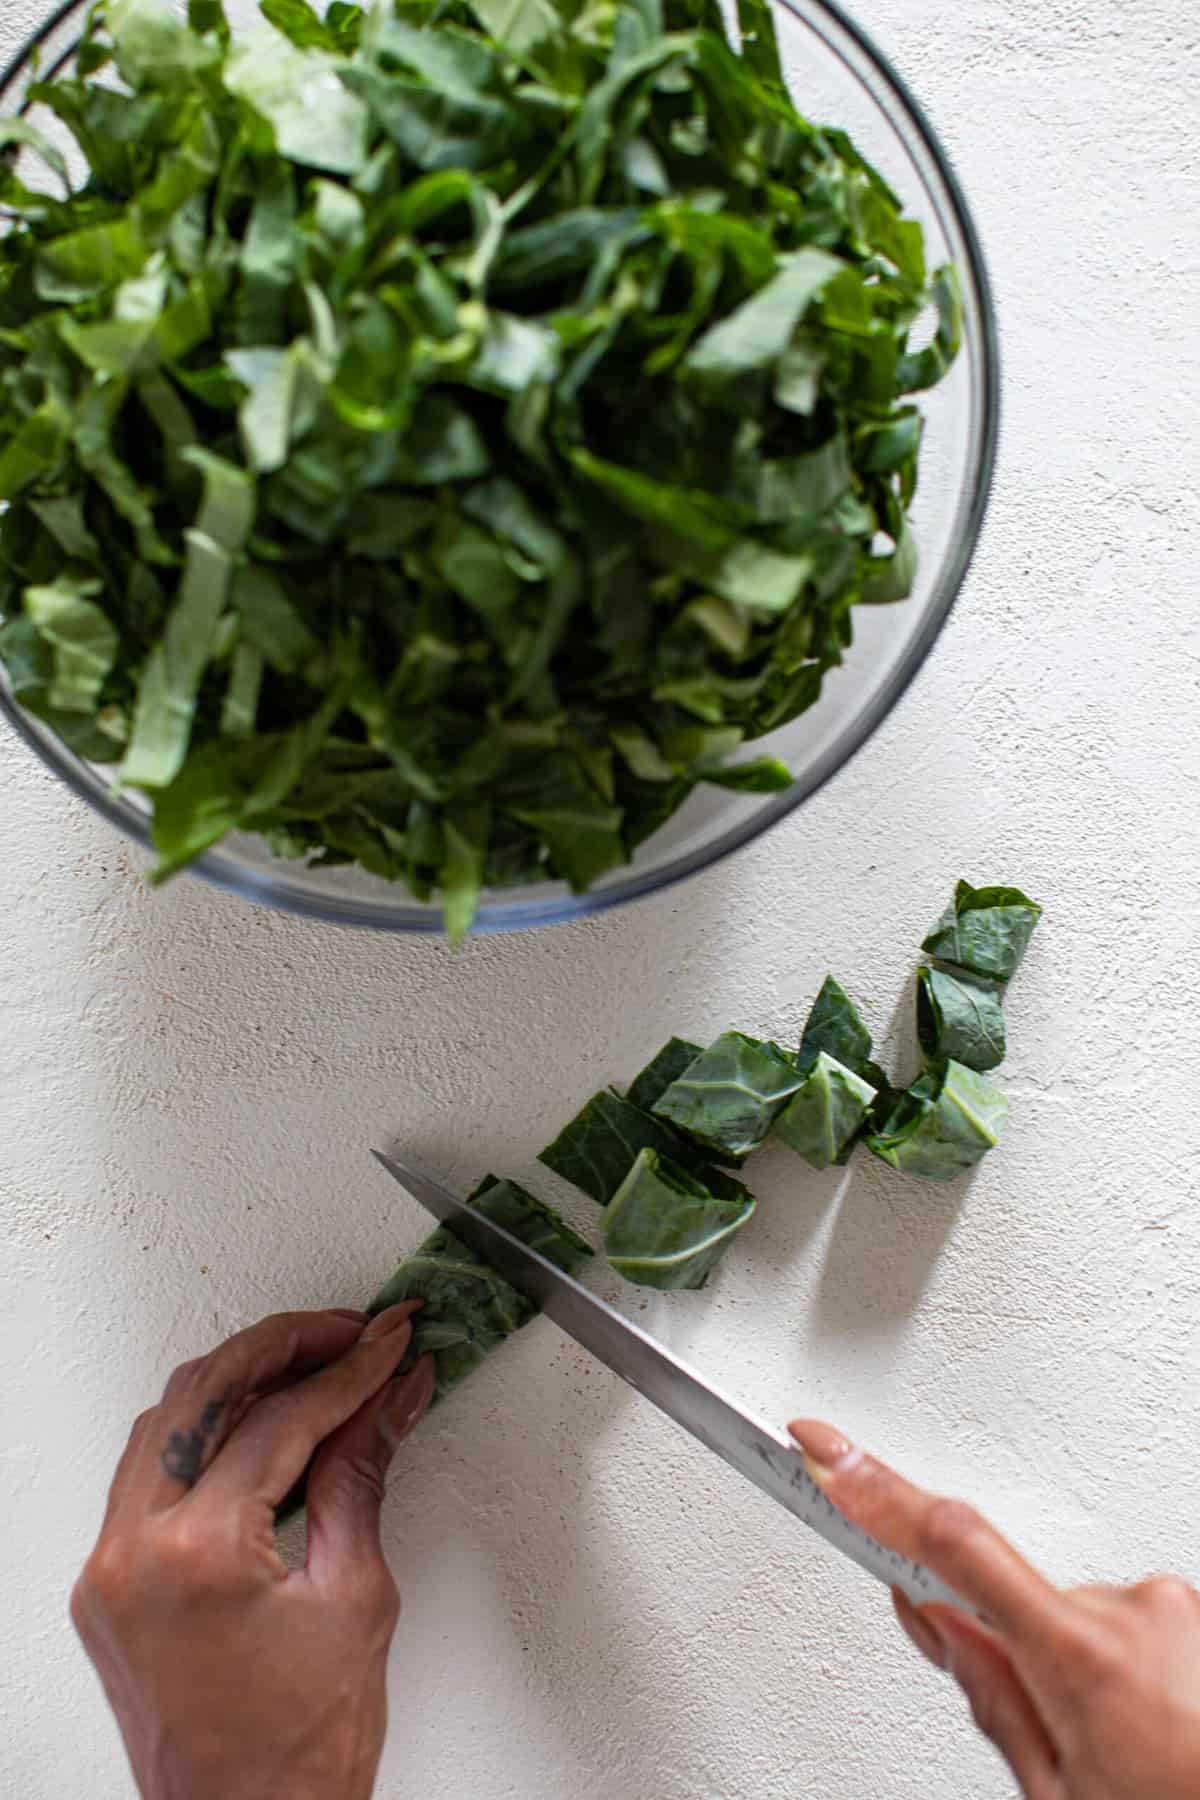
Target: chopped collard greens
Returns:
[[943, 1124], [652, 1082], [959, 1016], [729, 1098], [436, 436], [663, 1228], [985, 931], [597, 1149], [827, 1113]]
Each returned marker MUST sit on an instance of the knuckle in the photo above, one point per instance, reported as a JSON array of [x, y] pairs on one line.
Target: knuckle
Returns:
[[385, 1599], [78, 1607], [950, 1528], [185, 1379], [184, 1549], [281, 1325], [106, 1579], [1169, 1595]]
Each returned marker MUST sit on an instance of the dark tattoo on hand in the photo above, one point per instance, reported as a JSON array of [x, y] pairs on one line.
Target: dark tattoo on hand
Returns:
[[184, 1452]]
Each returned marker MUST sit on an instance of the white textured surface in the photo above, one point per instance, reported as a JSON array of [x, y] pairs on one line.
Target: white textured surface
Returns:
[[189, 1087]]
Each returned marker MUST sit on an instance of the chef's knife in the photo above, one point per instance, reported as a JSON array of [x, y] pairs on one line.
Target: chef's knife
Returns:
[[768, 1460]]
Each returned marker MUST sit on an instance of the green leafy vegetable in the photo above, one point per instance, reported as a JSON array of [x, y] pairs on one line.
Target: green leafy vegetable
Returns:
[[83, 641], [945, 1122], [834, 1026], [984, 930], [664, 1229], [729, 1098], [598, 1148], [483, 417], [827, 1112], [652, 1082], [959, 1016], [469, 1309]]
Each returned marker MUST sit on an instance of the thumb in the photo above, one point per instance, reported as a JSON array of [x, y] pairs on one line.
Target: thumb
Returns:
[[349, 1478]]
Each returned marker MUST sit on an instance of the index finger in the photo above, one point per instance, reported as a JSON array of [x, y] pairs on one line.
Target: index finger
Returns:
[[950, 1538], [273, 1445], [176, 1440]]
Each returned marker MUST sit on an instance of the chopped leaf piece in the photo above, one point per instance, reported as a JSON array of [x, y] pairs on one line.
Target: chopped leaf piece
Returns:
[[943, 1124], [652, 1083], [763, 775], [827, 1113], [316, 121], [959, 1016], [760, 331], [730, 1097], [834, 1025], [171, 678], [81, 637], [984, 930], [664, 1229], [598, 1148]]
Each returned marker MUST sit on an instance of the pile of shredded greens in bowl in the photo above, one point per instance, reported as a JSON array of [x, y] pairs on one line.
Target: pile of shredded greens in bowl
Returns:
[[436, 437]]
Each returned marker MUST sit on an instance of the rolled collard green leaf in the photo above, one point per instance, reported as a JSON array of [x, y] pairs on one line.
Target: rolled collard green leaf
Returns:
[[959, 1016], [598, 1148], [469, 1309], [732, 1094], [943, 1124], [984, 930], [521, 1213], [834, 1026], [652, 1082], [827, 1113], [664, 1228]]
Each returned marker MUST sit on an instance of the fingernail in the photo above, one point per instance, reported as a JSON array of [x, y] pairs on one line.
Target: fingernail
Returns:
[[386, 1322], [826, 1452], [407, 1401], [922, 1630]]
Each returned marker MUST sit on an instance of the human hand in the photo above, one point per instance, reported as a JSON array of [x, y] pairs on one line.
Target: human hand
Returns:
[[229, 1675], [1092, 1694]]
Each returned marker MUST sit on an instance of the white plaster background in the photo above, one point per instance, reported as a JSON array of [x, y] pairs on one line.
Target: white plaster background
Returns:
[[189, 1087]]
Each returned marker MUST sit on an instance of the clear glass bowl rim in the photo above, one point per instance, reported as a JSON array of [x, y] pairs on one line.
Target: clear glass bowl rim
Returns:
[[264, 888]]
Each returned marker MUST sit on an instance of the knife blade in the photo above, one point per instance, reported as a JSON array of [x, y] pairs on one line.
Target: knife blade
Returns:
[[765, 1458]]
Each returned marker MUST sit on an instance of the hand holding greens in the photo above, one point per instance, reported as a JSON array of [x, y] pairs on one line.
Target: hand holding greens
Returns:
[[436, 438]]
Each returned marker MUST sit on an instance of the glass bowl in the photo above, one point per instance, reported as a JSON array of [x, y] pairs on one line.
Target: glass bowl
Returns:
[[838, 76]]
